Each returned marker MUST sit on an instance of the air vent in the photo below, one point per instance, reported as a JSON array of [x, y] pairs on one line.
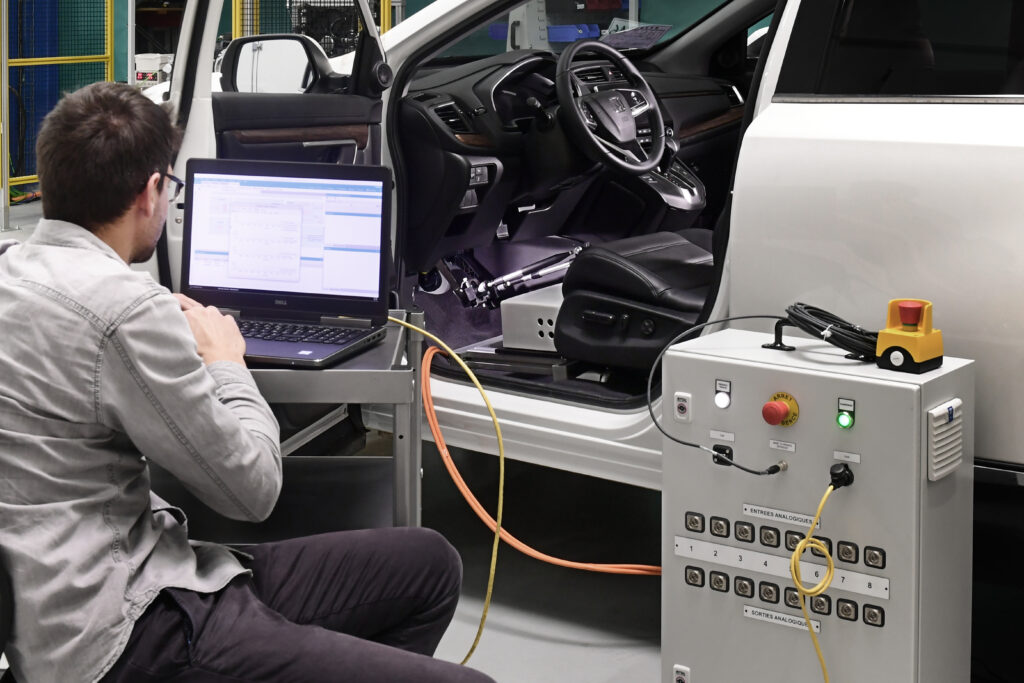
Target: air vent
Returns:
[[945, 439], [593, 74], [452, 117], [614, 74]]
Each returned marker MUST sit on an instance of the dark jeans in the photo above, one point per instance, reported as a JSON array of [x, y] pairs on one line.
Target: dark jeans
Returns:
[[359, 606]]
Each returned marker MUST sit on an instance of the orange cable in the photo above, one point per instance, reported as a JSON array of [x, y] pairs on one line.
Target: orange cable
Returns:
[[435, 429]]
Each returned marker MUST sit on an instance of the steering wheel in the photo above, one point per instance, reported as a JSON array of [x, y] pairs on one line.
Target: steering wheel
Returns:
[[603, 123]]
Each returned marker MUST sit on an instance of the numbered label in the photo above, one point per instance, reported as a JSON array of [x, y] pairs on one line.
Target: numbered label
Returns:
[[749, 560]]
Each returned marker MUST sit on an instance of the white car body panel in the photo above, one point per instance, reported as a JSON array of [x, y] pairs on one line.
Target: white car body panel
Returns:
[[621, 446], [200, 138], [848, 205]]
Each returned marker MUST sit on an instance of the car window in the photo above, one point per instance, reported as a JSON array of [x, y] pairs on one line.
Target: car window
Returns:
[[538, 24], [760, 28], [901, 48], [333, 24]]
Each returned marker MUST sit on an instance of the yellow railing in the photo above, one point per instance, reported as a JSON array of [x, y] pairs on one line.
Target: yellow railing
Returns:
[[238, 14], [107, 59]]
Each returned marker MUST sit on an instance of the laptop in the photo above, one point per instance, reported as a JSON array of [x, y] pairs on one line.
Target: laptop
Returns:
[[297, 252]]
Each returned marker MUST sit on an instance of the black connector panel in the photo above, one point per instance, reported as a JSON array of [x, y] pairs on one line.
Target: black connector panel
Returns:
[[723, 454]]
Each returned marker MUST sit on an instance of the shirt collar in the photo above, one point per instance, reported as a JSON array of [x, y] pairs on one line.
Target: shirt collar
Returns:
[[64, 234]]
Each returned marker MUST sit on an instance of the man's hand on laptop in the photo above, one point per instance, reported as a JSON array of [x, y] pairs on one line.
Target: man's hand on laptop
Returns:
[[186, 302], [217, 335]]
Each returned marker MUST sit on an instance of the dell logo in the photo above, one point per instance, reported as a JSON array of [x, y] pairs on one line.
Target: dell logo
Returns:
[[280, 302]]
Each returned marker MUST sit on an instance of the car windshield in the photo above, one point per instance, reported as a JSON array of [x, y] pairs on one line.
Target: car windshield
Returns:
[[554, 24]]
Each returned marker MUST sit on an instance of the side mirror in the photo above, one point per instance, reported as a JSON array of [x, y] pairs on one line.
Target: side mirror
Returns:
[[278, 63]]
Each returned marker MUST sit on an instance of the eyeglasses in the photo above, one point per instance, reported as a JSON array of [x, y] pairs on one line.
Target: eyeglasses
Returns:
[[178, 185]]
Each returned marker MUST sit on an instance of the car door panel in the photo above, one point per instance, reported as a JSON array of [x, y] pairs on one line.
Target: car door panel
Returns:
[[335, 127], [297, 127]]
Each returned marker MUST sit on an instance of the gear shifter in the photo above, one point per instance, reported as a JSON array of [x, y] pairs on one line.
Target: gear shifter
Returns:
[[671, 147]]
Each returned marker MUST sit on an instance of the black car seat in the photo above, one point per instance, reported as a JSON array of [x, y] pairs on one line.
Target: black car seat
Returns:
[[626, 299]]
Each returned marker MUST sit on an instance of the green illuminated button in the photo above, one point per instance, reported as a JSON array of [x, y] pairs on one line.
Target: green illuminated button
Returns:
[[844, 419]]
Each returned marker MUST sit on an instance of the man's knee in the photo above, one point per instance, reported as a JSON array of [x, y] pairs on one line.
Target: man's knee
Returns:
[[437, 556]]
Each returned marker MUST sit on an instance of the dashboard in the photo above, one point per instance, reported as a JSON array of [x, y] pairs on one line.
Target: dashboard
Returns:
[[500, 96], [517, 97], [485, 158]]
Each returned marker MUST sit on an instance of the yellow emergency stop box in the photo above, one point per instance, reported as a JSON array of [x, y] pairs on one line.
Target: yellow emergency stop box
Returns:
[[909, 343]]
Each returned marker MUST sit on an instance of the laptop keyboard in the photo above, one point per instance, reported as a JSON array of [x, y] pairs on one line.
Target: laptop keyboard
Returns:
[[296, 332]]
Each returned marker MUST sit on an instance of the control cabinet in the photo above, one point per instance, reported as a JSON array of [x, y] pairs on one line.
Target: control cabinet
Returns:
[[899, 606]]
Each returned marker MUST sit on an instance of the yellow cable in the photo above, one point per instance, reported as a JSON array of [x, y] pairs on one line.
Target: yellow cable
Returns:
[[501, 476], [822, 586]]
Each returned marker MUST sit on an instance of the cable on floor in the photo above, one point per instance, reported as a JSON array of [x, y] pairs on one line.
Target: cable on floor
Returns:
[[425, 391], [481, 512], [494, 523]]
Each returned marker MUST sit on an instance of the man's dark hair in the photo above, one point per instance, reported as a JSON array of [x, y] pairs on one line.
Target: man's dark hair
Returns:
[[96, 151]]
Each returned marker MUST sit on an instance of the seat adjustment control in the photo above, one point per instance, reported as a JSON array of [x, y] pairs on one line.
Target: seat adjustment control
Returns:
[[599, 317]]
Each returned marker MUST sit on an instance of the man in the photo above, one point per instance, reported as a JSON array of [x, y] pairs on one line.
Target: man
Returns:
[[104, 370]]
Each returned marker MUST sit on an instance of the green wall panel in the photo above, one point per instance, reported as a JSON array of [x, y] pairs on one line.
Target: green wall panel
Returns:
[[121, 40], [224, 27], [414, 6]]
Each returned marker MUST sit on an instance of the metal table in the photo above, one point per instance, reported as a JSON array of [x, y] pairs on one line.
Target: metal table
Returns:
[[385, 373]]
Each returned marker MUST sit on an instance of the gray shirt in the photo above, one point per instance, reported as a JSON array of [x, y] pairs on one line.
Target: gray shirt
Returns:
[[99, 375]]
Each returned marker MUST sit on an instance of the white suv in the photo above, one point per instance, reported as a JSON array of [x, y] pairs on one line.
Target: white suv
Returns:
[[879, 134], [871, 150]]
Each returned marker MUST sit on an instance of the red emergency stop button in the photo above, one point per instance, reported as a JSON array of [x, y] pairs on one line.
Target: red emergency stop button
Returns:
[[774, 412], [910, 314]]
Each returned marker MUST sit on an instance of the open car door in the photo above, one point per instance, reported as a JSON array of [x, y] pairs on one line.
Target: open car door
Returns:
[[274, 96]]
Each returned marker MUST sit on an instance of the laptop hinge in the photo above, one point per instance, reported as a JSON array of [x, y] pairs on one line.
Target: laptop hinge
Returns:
[[341, 321], [233, 312]]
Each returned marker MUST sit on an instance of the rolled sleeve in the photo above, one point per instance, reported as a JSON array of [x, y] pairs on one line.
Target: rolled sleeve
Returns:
[[206, 425]]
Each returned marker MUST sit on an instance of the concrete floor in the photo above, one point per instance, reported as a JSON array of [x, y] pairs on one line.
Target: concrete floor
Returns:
[[547, 623], [22, 219]]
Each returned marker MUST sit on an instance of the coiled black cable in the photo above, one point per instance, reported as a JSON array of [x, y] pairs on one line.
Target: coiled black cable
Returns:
[[821, 324]]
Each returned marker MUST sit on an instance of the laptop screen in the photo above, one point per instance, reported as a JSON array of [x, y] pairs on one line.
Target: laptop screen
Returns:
[[275, 228], [302, 235]]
